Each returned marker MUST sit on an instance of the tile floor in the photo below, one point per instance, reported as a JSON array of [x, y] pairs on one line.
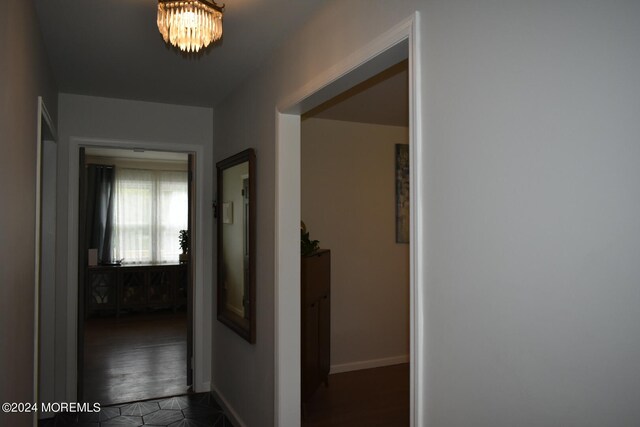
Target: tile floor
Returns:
[[193, 410]]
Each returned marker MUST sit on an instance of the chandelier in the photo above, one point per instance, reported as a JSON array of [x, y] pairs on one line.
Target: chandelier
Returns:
[[190, 24]]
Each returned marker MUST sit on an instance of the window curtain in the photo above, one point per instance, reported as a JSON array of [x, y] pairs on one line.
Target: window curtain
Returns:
[[151, 207], [99, 208]]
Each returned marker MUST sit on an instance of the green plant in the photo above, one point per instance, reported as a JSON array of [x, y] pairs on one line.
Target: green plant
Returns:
[[307, 246], [184, 241]]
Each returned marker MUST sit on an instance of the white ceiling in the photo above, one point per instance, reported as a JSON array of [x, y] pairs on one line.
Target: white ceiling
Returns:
[[383, 100], [112, 48]]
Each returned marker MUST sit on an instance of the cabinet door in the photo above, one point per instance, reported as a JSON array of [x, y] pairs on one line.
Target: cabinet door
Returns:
[[159, 292], [133, 291], [310, 347], [101, 293], [316, 275], [324, 337], [181, 285]]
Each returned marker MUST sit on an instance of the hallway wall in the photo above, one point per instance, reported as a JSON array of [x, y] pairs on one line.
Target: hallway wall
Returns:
[[24, 75], [530, 205]]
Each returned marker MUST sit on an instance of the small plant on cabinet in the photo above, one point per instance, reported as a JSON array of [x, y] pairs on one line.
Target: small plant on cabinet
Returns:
[[184, 245]]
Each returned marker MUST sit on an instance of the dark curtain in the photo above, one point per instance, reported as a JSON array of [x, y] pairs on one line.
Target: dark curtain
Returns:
[[100, 189]]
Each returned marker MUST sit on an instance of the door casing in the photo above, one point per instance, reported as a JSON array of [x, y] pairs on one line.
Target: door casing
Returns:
[[398, 43], [202, 312], [43, 386]]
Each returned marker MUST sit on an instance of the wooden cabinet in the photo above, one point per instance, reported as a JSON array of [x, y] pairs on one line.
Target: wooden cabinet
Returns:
[[316, 321], [135, 287], [101, 291], [132, 286]]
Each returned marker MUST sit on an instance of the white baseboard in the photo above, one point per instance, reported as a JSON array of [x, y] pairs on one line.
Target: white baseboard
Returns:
[[201, 386], [228, 409], [368, 364]]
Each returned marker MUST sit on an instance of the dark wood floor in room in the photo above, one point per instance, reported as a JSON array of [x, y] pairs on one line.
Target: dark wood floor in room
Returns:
[[135, 357], [369, 397]]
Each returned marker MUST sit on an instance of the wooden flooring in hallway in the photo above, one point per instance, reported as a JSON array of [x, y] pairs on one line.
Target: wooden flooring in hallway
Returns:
[[369, 397], [135, 357]]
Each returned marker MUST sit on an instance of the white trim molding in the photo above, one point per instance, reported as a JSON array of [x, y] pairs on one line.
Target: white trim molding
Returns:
[[418, 352], [44, 123], [400, 42], [228, 409], [287, 274]]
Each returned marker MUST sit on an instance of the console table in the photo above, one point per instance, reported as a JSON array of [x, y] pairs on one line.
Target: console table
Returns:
[[135, 287]]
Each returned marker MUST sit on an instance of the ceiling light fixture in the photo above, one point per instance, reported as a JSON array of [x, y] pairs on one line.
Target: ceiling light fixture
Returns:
[[190, 24]]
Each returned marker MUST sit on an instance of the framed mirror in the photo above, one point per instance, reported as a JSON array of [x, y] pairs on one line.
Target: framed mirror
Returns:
[[235, 212]]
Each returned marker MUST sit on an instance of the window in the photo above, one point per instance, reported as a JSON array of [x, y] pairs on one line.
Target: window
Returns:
[[151, 207]]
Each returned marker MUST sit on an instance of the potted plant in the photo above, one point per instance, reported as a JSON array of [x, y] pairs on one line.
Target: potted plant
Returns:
[[184, 245], [307, 246]]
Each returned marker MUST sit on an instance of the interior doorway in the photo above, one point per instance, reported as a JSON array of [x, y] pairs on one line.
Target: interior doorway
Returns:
[[398, 43], [135, 274], [355, 201]]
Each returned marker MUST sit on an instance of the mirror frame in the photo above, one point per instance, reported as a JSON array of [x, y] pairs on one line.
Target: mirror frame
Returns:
[[246, 331]]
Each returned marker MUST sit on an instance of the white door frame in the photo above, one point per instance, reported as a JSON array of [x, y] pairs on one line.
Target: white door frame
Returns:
[[399, 42], [46, 131], [201, 310]]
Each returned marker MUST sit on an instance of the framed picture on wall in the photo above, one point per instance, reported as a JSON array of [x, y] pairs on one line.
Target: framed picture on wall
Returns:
[[402, 193]]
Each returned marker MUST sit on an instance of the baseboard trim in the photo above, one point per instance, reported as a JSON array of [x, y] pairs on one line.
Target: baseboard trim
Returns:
[[368, 364], [228, 409]]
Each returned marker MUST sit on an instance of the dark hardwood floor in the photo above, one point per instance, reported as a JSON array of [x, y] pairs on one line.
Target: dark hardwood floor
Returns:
[[369, 397], [135, 357]]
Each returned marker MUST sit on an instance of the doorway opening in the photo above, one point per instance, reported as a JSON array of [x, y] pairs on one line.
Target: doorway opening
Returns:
[[355, 201], [135, 274], [398, 43]]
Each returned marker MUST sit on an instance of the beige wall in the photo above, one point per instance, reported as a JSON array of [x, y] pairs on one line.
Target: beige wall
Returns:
[[348, 203], [24, 74]]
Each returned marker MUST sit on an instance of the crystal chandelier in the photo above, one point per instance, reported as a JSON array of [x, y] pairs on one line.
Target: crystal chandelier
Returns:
[[190, 24]]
